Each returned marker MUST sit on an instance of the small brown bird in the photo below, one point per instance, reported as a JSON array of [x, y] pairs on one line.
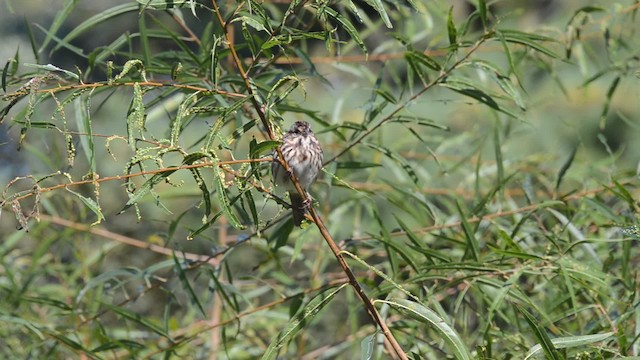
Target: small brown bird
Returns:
[[302, 151]]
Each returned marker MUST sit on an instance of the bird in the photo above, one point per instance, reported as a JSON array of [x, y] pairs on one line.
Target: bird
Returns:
[[303, 152]]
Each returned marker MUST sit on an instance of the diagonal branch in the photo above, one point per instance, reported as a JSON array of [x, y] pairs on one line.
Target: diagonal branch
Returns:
[[441, 77], [373, 312]]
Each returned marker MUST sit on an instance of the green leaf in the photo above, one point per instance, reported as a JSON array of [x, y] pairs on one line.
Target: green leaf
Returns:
[[297, 323], [467, 88], [605, 110], [396, 158], [186, 285], [50, 67], [570, 342], [503, 81], [482, 11], [57, 23], [469, 233], [93, 21], [168, 4], [83, 118], [410, 119], [356, 165], [32, 40], [427, 316], [257, 149], [565, 166], [348, 27], [282, 89], [146, 188], [423, 59], [91, 204], [5, 71], [138, 319], [378, 6], [136, 116], [367, 345], [529, 40], [222, 197], [451, 29], [585, 9], [540, 333]]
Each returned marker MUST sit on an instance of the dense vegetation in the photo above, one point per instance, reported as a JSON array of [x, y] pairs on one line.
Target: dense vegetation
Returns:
[[478, 199]]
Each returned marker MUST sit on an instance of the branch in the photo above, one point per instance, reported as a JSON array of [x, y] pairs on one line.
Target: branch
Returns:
[[373, 312], [443, 75]]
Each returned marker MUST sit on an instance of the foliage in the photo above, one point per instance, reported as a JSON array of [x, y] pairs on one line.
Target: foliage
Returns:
[[479, 190]]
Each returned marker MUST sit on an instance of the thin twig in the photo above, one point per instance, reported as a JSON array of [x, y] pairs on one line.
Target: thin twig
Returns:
[[323, 230], [434, 82]]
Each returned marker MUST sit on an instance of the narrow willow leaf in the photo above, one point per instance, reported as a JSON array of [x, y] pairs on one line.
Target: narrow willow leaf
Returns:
[[135, 118], [93, 21], [367, 345], [497, 149], [282, 89], [507, 52], [529, 40], [58, 21], [451, 29], [378, 6], [5, 72], [202, 185], [427, 316], [565, 167], [422, 59], [144, 39], [471, 90], [467, 88], [250, 20], [585, 9], [237, 134], [118, 344], [137, 319], [258, 148], [128, 66], [167, 4], [607, 102], [387, 96], [540, 333], [348, 27], [503, 81], [570, 342], [252, 206], [304, 317], [396, 158], [482, 11], [381, 274], [215, 60], [32, 40], [91, 204], [83, 118], [31, 326], [186, 285], [356, 165], [469, 233], [146, 188], [418, 121], [184, 111], [218, 177], [287, 39], [50, 67]]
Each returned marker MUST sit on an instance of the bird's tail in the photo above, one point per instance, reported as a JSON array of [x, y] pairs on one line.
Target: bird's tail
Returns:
[[297, 207]]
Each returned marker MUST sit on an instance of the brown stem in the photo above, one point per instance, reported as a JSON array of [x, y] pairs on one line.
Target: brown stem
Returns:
[[323, 230], [434, 82]]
